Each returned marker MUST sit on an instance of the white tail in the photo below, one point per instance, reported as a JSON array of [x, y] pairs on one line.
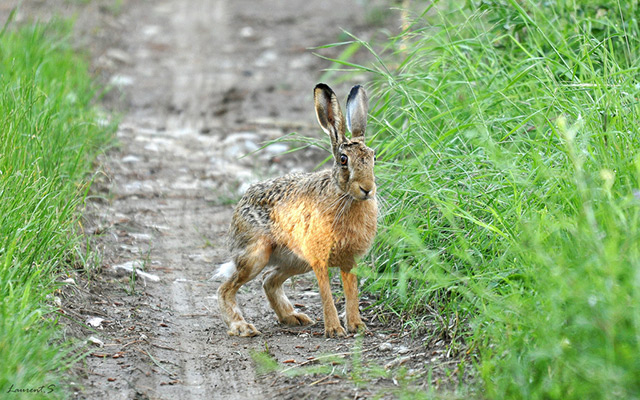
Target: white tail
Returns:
[[225, 270]]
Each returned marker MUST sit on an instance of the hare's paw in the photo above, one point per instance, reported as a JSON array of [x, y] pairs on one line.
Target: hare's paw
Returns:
[[356, 326], [334, 331], [242, 328], [297, 319]]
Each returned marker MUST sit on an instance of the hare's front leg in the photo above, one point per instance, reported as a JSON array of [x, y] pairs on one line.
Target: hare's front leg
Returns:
[[352, 319], [332, 327], [248, 265]]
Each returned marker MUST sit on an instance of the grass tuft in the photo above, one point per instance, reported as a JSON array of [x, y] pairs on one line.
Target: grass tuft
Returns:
[[48, 140], [507, 135]]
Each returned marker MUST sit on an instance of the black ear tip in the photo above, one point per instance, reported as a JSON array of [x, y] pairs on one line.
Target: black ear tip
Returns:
[[324, 88], [354, 92]]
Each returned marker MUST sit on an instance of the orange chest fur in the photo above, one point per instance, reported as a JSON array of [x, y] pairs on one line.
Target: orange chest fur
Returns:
[[341, 233]]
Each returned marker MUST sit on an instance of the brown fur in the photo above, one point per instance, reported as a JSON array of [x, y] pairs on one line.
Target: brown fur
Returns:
[[302, 222]]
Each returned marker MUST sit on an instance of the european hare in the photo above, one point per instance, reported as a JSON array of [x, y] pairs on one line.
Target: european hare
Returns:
[[302, 222]]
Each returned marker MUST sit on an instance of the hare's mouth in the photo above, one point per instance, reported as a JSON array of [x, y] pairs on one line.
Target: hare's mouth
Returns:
[[366, 197], [362, 194]]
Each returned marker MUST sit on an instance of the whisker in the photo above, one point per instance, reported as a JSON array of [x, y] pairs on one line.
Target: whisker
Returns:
[[330, 210], [383, 204], [345, 206], [334, 204]]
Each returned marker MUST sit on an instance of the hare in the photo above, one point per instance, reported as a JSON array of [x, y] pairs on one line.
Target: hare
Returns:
[[312, 221]]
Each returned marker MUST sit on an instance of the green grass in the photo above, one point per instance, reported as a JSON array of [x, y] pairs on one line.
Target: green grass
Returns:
[[509, 164], [48, 139]]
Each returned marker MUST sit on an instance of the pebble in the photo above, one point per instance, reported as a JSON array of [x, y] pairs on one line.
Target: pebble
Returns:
[[130, 159], [95, 321], [119, 55], [150, 30], [247, 32], [397, 362], [152, 147], [385, 347], [129, 267], [121, 80], [276, 148], [95, 340], [236, 137], [141, 236]]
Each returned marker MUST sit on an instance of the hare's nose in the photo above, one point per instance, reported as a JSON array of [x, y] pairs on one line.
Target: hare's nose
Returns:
[[365, 191]]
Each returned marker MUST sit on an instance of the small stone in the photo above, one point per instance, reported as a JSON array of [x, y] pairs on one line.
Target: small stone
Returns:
[[277, 148], [130, 159], [150, 30], [397, 362], [95, 321], [247, 32], [118, 55], [385, 347], [130, 266], [141, 236], [94, 340], [121, 80]]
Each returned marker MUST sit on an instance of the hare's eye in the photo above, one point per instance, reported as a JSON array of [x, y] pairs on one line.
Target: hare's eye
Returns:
[[343, 159]]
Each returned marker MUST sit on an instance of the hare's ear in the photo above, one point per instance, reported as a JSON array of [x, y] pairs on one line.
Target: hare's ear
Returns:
[[357, 110], [329, 114]]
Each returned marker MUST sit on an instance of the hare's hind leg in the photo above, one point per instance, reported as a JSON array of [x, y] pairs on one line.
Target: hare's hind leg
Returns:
[[248, 266], [272, 285]]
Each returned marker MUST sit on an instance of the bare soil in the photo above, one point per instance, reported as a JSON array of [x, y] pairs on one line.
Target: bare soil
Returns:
[[198, 84]]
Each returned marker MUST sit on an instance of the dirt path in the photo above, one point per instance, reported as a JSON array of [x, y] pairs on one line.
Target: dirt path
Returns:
[[200, 83]]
